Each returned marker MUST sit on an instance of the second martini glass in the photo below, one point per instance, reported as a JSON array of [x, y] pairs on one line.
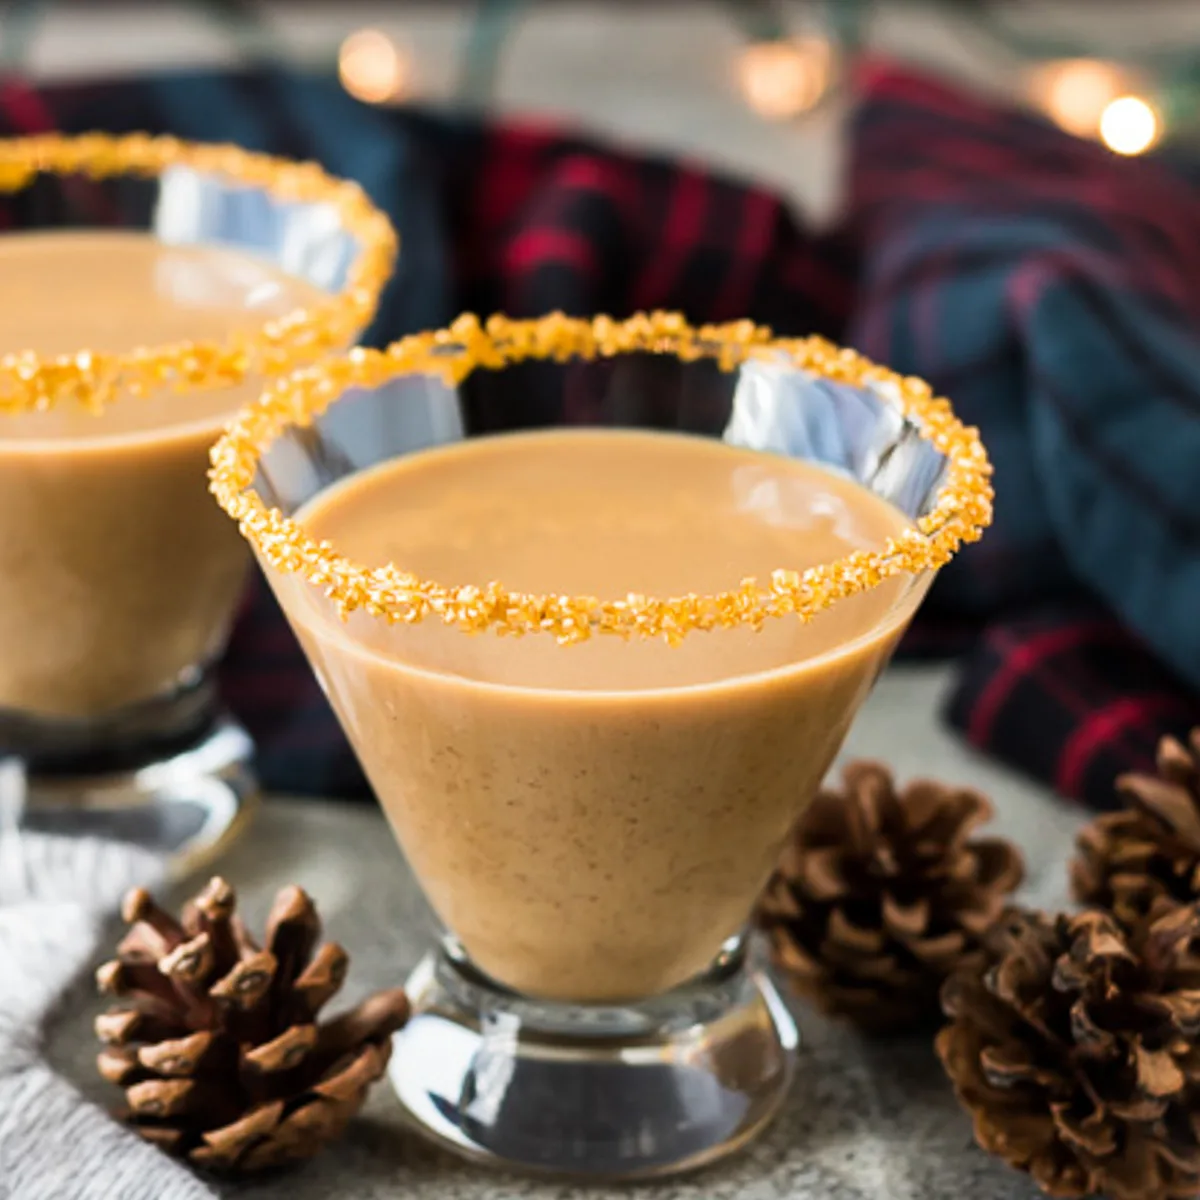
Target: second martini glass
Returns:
[[153, 286], [591, 766]]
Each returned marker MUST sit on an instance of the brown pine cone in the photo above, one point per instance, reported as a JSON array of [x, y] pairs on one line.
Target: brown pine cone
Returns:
[[1075, 1050], [1137, 862], [880, 894], [217, 1043]]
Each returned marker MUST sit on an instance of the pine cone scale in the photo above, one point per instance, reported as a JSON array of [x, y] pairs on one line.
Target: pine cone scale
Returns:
[[794, 959], [1141, 1110], [181, 1056], [778, 902], [996, 865], [319, 981], [120, 1065], [163, 1097], [345, 1080], [842, 935], [189, 961], [933, 823], [319, 1117], [820, 875], [1092, 1134], [231, 1139], [247, 983], [364, 1022], [978, 913], [1157, 1073], [872, 785], [1005, 1067], [939, 953], [283, 1053], [293, 929], [951, 821], [905, 922], [1090, 1037], [1168, 801]]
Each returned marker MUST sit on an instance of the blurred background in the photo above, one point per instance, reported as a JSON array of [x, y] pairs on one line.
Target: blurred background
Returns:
[[750, 85], [999, 197]]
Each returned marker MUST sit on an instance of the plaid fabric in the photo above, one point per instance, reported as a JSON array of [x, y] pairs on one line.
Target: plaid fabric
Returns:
[[1051, 289], [1045, 285]]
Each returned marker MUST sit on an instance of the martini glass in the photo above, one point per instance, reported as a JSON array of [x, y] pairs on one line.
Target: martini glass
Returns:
[[150, 287], [592, 781]]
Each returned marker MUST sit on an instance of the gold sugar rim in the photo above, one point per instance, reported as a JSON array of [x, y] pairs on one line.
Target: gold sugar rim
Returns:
[[962, 511], [29, 382]]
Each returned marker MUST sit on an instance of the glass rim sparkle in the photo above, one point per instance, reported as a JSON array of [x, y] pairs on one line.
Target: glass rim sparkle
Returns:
[[960, 513], [32, 382]]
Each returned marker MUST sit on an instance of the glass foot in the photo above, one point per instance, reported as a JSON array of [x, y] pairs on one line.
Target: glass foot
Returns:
[[186, 807], [594, 1092]]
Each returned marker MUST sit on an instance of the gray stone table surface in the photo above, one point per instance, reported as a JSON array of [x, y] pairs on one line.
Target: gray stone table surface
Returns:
[[863, 1121]]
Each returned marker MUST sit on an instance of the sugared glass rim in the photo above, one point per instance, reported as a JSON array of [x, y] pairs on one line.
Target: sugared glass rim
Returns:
[[962, 510], [29, 382]]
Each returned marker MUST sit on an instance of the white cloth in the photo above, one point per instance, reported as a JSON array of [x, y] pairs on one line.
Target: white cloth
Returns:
[[55, 898]]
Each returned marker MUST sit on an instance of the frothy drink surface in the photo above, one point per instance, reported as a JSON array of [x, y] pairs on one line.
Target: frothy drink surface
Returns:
[[117, 571], [594, 821]]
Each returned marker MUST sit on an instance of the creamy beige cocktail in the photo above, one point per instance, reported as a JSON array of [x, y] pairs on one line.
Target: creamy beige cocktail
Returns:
[[117, 572], [594, 821]]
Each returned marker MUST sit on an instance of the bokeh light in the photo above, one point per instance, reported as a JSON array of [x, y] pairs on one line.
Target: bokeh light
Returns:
[[786, 78], [1129, 125], [373, 68], [1074, 93]]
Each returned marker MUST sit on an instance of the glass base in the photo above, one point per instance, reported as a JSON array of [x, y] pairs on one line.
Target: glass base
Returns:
[[609, 1092], [186, 807]]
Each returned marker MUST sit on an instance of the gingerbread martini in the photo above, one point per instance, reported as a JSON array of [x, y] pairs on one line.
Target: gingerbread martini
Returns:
[[154, 286], [594, 821], [593, 675]]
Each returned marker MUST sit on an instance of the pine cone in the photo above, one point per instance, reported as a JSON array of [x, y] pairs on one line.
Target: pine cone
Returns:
[[1137, 862], [879, 894], [217, 1045], [1075, 1050]]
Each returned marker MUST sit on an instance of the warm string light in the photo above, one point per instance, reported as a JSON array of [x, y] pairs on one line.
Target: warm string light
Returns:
[[783, 79], [1074, 93], [373, 68], [1091, 98], [1129, 125]]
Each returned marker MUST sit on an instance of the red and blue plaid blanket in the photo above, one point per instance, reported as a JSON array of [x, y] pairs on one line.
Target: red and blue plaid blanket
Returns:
[[1049, 287]]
